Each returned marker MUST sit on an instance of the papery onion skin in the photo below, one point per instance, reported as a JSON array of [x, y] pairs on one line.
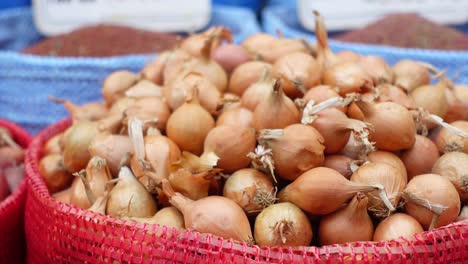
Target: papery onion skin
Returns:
[[231, 144], [298, 71], [435, 189], [321, 93], [239, 116], [454, 167], [250, 189], [296, 228], [420, 158], [392, 179], [446, 141], [456, 109], [394, 128], [348, 77], [245, 75], [340, 163], [321, 191], [396, 226], [53, 171], [149, 109], [216, 215], [113, 148], [53, 145], [116, 84], [76, 142], [189, 125], [298, 150], [410, 74], [349, 224], [389, 158], [377, 68], [391, 93], [431, 98]]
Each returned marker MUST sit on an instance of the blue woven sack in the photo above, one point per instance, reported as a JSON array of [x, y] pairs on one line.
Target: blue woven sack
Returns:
[[284, 18], [26, 81]]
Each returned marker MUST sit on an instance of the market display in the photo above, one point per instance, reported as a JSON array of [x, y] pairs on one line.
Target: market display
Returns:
[[278, 144]]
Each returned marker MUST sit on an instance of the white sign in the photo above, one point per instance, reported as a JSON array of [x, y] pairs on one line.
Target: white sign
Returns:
[[59, 16]]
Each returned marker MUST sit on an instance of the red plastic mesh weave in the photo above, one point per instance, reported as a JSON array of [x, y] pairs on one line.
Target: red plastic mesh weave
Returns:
[[60, 233], [12, 242]]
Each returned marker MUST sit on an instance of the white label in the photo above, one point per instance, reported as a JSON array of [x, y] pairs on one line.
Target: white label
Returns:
[[349, 14], [60, 16]]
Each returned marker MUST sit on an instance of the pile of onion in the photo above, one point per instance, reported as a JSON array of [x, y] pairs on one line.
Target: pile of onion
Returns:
[[271, 141], [11, 163]]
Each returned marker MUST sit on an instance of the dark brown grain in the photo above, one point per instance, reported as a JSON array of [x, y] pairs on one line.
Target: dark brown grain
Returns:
[[103, 41]]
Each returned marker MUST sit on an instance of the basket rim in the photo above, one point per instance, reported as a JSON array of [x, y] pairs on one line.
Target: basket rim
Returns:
[[402, 245], [18, 133]]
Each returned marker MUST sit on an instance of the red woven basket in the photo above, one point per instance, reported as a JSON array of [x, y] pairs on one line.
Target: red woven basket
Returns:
[[60, 233], [12, 242]]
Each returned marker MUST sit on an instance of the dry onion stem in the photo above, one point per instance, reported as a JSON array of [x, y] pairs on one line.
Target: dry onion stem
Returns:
[[262, 159], [436, 208]]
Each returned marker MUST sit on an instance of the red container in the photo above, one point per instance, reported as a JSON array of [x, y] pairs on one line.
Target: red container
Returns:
[[60, 233], [12, 242]]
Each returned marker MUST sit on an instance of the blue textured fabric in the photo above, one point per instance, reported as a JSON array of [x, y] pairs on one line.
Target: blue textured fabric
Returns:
[[251, 4], [26, 81], [14, 3], [285, 19]]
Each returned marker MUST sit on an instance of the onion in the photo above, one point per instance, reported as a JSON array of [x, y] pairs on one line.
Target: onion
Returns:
[[432, 200], [149, 109], [177, 61], [355, 149], [410, 74], [298, 71], [10, 156], [189, 125], [247, 74], [116, 84], [420, 158], [448, 141], [251, 189], [431, 98], [217, 215], [55, 176], [390, 93], [456, 109], [192, 175], [349, 77], [454, 167], [350, 56], [53, 145], [296, 149], [63, 196], [121, 105], [389, 158], [340, 163], [377, 68], [396, 226], [196, 42], [154, 71], [176, 91], [168, 216], [394, 128], [461, 92], [92, 183], [76, 142], [276, 111], [90, 111], [14, 175], [282, 224], [257, 91], [239, 116], [230, 56], [112, 148], [322, 191], [231, 144], [392, 180], [144, 88], [129, 198], [322, 93], [336, 128], [349, 224], [269, 49]]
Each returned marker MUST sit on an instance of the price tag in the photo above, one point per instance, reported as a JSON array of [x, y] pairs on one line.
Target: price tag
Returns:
[[59, 16], [350, 14]]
